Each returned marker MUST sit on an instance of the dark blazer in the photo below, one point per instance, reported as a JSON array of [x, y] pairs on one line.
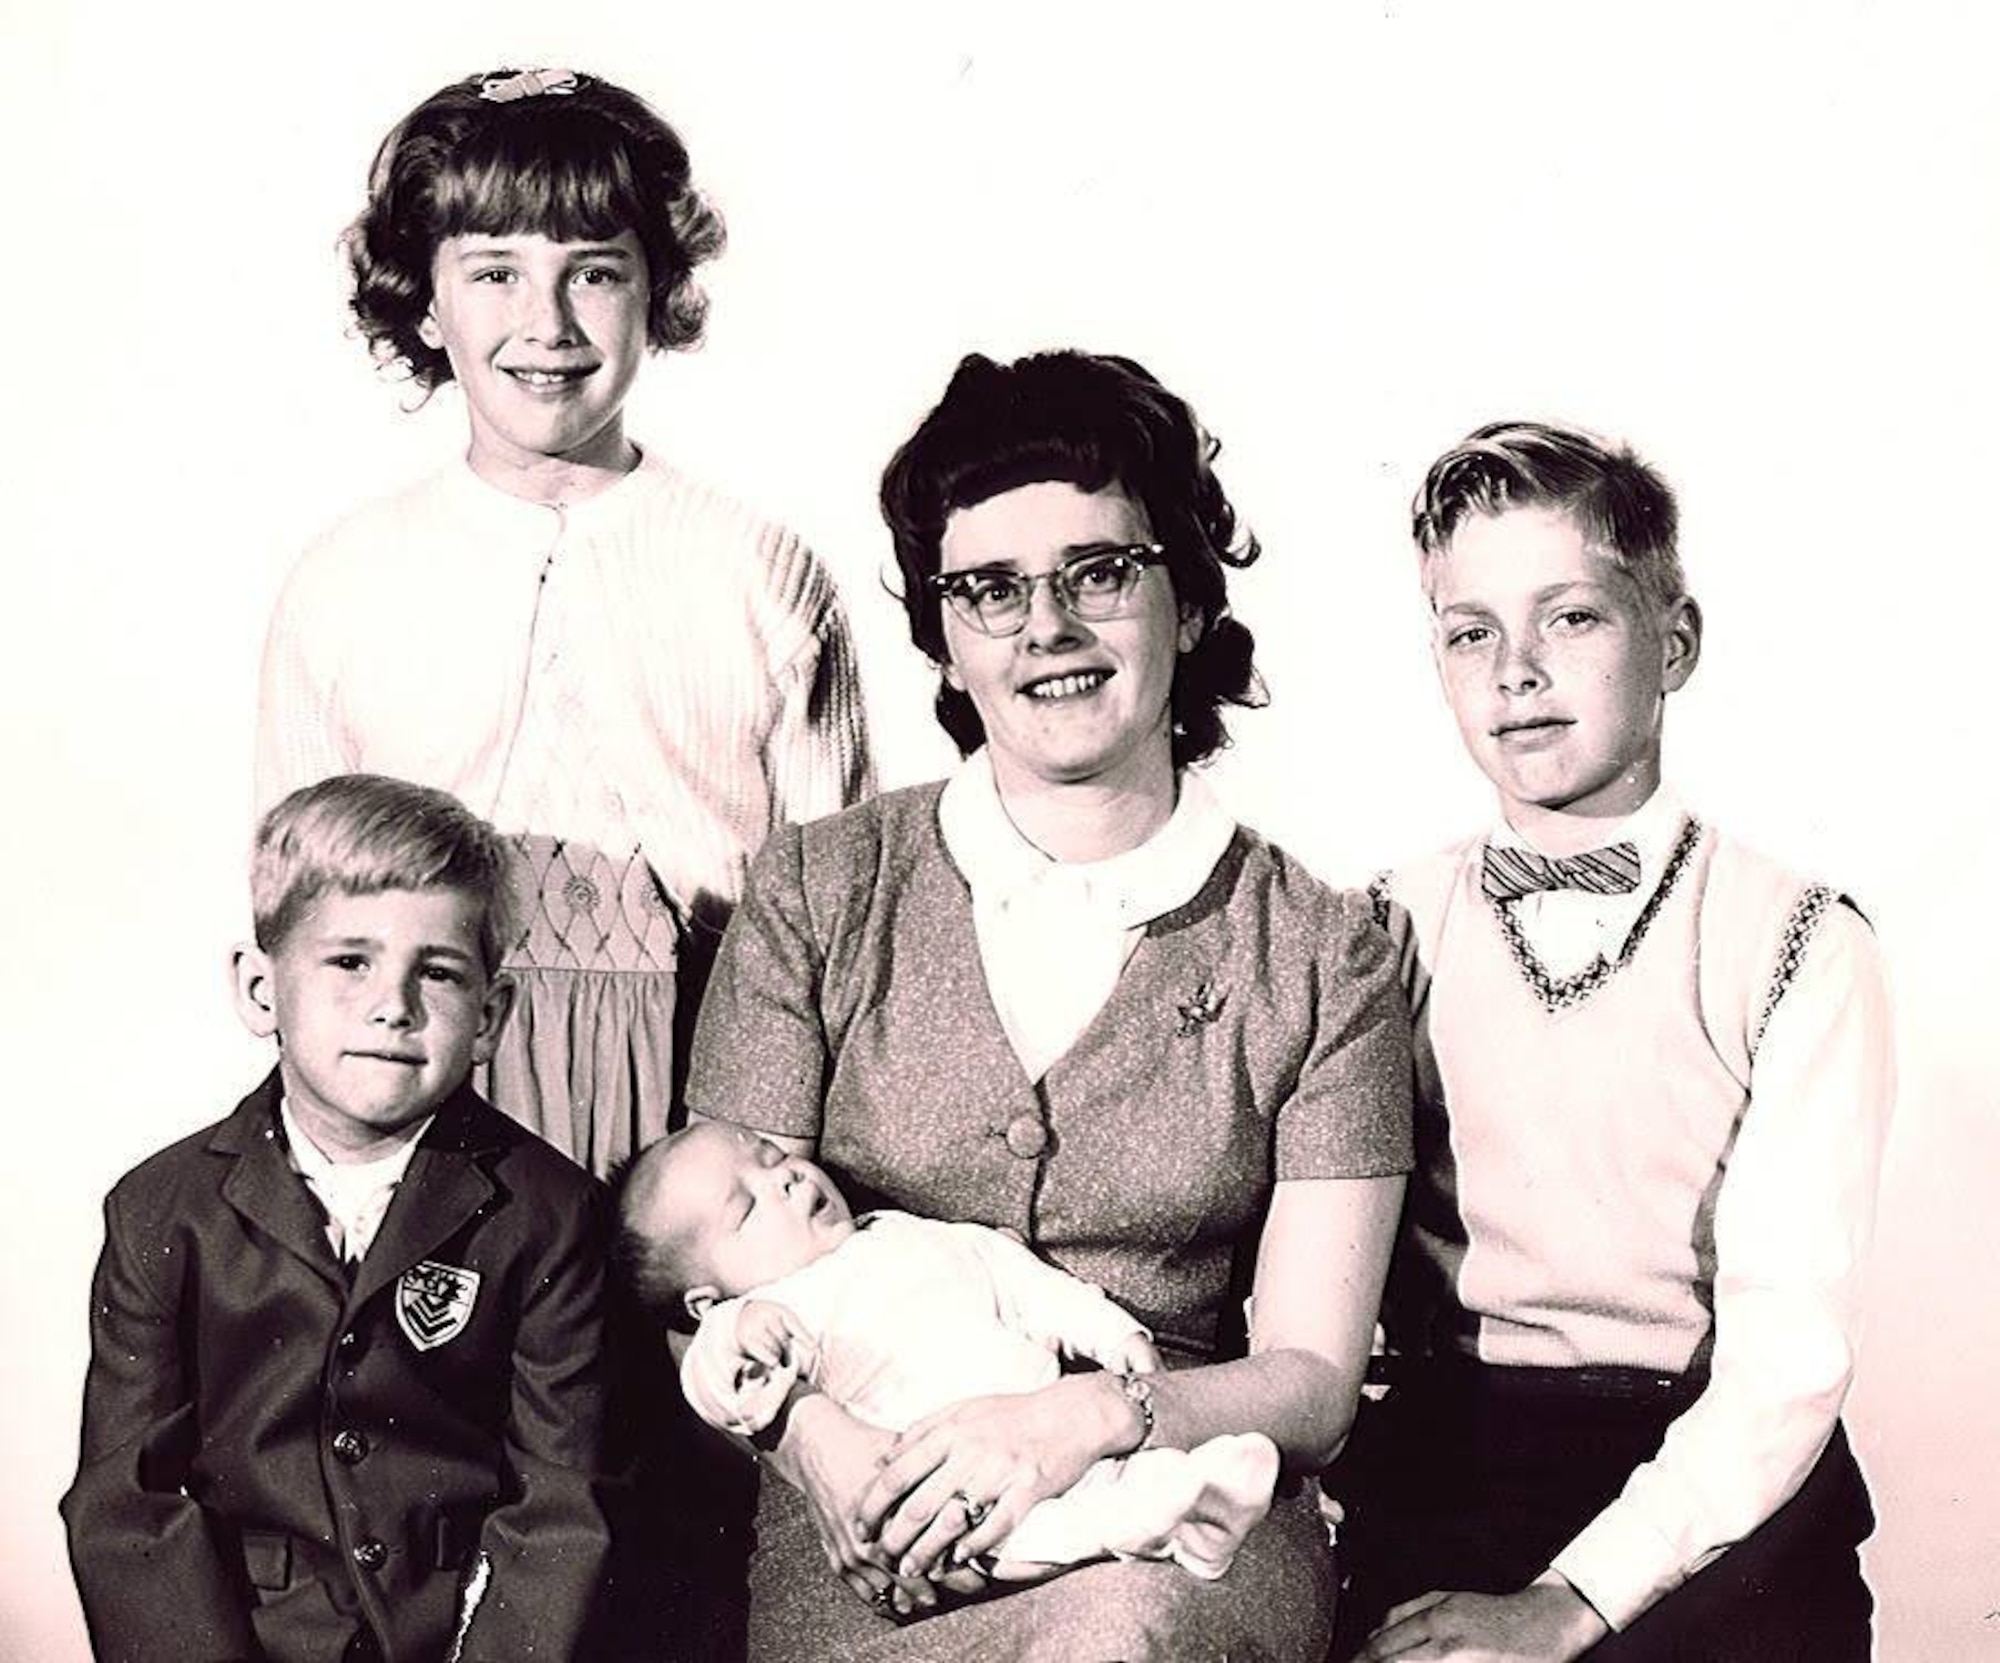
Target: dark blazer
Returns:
[[276, 1458]]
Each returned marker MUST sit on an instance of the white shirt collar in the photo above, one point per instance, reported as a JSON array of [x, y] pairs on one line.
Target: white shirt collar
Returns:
[[312, 1162], [355, 1194], [1133, 888]]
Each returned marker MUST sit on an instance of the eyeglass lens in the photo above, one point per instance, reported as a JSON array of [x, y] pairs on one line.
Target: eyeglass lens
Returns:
[[1094, 586]]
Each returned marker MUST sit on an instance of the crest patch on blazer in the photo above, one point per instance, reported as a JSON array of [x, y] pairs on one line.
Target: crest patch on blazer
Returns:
[[434, 1302]]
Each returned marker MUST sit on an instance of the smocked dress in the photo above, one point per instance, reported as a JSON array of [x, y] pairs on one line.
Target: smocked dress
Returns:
[[636, 688], [1255, 1033]]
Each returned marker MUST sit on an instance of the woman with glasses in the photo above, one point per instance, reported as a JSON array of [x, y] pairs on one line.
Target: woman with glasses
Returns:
[[1064, 994]]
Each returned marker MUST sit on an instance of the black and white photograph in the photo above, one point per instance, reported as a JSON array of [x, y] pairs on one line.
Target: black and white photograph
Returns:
[[1061, 832]]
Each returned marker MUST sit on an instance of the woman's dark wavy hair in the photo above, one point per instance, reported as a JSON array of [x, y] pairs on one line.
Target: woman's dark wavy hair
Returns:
[[572, 166], [1091, 421]]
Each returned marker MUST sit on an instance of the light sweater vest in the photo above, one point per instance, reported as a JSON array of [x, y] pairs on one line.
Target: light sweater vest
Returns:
[[1572, 1135]]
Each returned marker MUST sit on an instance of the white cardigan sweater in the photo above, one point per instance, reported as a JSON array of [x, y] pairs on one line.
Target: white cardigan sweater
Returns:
[[655, 666]]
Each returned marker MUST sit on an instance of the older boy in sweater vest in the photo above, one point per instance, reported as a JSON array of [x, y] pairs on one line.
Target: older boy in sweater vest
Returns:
[[1653, 1075]]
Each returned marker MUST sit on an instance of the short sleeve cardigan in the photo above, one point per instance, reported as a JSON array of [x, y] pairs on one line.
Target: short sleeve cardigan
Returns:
[[1256, 1034]]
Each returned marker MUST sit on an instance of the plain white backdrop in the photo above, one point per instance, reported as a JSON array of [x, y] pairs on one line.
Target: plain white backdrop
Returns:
[[1761, 241]]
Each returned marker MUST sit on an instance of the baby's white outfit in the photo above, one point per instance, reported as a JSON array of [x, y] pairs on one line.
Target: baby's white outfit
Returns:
[[911, 1315]]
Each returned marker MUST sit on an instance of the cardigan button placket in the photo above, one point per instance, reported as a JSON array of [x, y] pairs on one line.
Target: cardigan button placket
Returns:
[[1026, 1137]]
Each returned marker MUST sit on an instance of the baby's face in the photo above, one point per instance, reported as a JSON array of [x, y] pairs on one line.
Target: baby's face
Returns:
[[750, 1211]]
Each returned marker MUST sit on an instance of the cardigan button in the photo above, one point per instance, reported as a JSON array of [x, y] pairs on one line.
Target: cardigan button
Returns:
[[349, 1446], [370, 1554], [1026, 1136]]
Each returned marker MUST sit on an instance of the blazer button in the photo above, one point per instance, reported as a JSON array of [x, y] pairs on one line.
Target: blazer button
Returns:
[[370, 1554], [349, 1445], [1026, 1136]]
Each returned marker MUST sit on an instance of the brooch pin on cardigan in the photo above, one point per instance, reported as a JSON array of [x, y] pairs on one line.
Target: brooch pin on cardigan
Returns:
[[1202, 1007]]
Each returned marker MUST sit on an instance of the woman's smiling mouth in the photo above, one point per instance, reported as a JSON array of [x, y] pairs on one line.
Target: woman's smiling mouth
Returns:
[[1067, 687]]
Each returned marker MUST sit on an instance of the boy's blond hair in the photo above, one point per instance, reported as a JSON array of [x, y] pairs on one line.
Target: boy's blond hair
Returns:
[[1620, 503], [361, 834]]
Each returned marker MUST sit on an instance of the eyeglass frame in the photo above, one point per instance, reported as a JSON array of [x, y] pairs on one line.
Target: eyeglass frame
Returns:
[[944, 585]]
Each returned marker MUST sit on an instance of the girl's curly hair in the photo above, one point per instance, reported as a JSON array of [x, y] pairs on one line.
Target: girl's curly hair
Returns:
[[578, 165]]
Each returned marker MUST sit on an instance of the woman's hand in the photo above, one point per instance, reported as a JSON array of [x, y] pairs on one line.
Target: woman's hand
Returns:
[[954, 1484], [835, 1460]]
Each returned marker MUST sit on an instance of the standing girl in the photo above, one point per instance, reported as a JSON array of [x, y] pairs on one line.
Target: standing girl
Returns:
[[633, 676]]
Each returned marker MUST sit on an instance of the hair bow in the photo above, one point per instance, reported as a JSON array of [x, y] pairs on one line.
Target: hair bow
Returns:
[[527, 83]]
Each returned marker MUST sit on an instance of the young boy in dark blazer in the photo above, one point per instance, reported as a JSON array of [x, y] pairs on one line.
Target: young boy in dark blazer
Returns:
[[345, 1394]]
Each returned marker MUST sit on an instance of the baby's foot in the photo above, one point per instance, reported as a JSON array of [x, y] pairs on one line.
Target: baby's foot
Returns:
[[1237, 1474]]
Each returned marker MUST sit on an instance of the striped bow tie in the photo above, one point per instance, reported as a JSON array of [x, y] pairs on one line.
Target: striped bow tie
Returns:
[[1511, 873]]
